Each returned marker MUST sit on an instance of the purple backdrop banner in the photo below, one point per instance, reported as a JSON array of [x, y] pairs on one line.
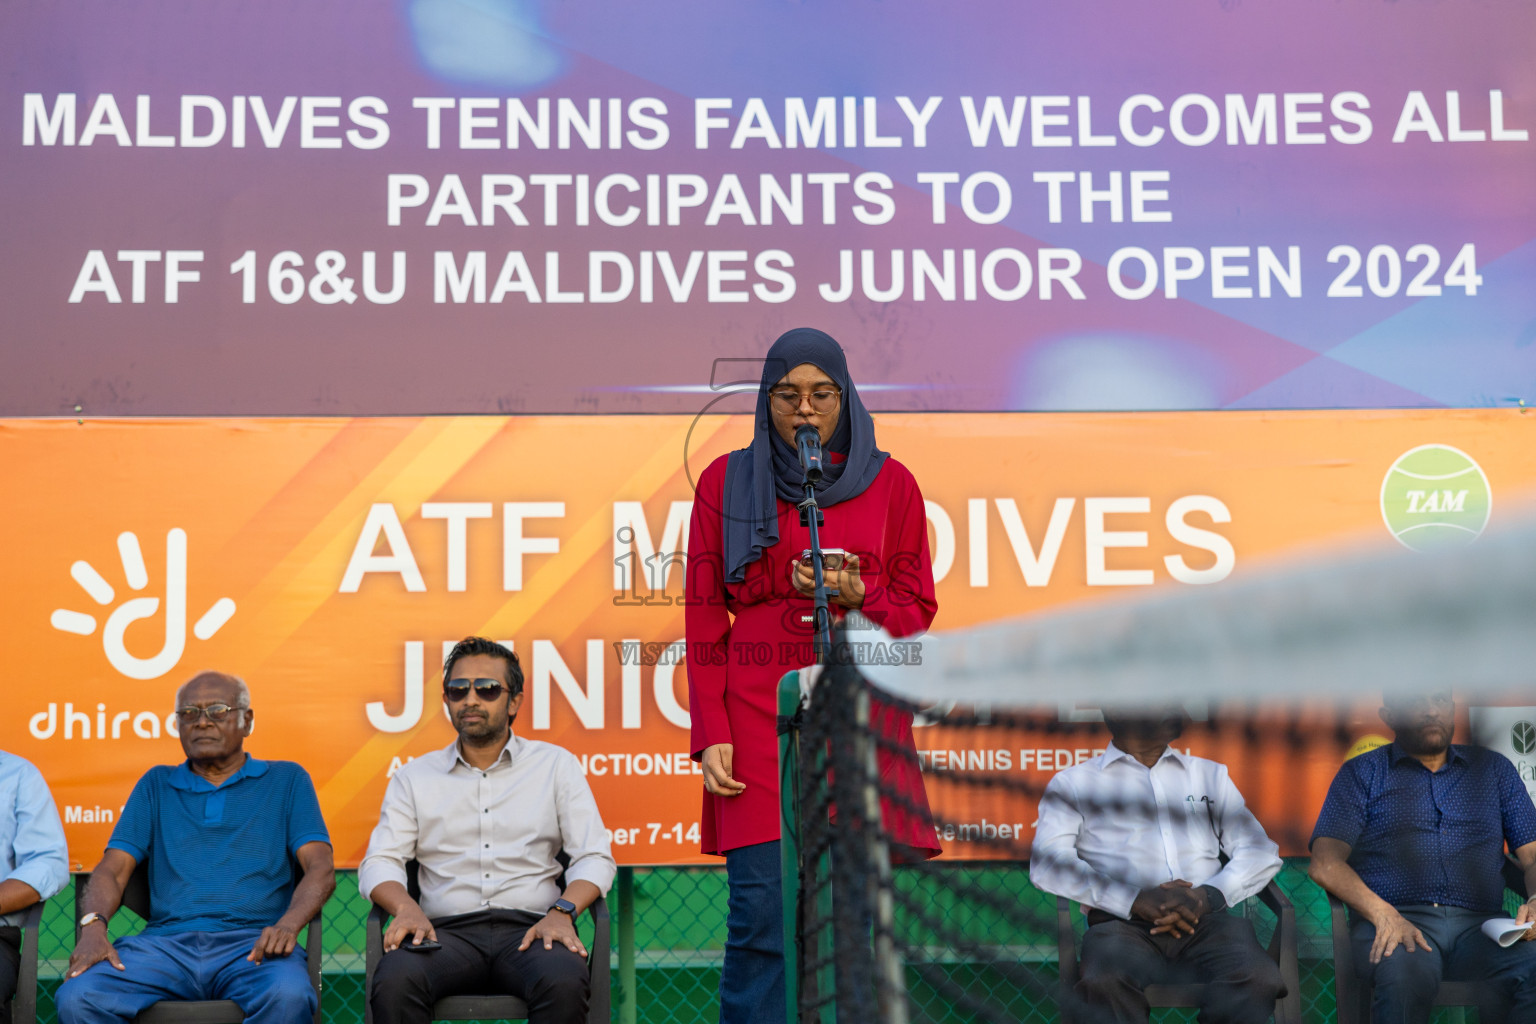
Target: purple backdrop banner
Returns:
[[507, 205]]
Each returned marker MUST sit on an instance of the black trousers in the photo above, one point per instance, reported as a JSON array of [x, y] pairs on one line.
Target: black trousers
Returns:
[[1121, 958], [479, 956], [10, 963]]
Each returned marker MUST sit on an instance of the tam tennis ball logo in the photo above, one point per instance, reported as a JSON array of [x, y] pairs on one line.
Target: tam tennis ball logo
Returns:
[[1435, 496], [1523, 737]]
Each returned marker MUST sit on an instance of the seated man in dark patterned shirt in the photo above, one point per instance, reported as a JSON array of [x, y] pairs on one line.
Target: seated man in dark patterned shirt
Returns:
[[1412, 837]]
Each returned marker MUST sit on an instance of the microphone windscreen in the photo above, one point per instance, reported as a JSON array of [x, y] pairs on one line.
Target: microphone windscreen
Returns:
[[808, 444]]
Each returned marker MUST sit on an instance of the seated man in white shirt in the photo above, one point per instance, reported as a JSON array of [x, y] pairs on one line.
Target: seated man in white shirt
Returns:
[[1138, 836], [485, 818]]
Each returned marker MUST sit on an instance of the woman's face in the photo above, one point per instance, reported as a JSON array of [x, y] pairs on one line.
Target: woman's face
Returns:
[[806, 394]]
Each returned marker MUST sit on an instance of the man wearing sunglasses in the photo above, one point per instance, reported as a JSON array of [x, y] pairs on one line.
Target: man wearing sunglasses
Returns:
[[239, 862], [484, 819]]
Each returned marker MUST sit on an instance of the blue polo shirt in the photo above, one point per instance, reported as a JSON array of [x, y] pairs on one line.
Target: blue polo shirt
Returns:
[[220, 857], [1418, 836]]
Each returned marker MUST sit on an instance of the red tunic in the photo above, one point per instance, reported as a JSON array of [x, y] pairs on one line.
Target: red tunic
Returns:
[[732, 627]]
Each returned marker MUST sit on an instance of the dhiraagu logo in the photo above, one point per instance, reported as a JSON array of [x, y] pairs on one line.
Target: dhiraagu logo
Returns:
[[136, 575], [1435, 496]]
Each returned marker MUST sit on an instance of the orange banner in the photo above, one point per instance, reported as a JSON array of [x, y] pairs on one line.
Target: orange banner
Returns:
[[329, 561]]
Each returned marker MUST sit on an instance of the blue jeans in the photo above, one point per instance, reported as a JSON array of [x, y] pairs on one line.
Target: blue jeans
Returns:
[[191, 966], [752, 980], [1406, 983]]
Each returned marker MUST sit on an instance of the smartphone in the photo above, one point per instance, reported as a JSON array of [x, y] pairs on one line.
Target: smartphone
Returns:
[[831, 558], [424, 946]]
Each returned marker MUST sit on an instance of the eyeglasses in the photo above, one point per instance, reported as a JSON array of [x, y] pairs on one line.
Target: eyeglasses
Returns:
[[788, 400], [213, 712], [486, 689]]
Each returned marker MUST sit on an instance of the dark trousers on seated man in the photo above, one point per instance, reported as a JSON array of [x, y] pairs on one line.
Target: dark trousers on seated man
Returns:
[[1121, 958], [1406, 983], [10, 964], [479, 956]]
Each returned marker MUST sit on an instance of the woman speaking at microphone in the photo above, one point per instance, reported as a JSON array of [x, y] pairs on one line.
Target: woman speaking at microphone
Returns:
[[750, 594]]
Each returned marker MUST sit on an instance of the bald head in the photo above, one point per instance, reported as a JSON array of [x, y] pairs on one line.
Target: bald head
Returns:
[[214, 744], [214, 687]]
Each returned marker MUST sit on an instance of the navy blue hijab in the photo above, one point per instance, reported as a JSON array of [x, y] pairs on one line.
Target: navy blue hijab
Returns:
[[756, 476]]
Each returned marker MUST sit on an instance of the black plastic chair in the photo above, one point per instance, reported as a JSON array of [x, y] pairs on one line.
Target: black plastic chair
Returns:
[[24, 1003], [1282, 949], [1353, 993], [210, 1011], [495, 1007]]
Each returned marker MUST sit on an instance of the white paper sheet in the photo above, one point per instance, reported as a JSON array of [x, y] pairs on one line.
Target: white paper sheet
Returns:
[[1504, 930]]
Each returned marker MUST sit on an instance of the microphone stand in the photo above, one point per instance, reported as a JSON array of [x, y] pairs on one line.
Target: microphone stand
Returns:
[[811, 518], [795, 770]]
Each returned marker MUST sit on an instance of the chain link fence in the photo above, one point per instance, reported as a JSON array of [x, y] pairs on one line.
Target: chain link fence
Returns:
[[669, 933]]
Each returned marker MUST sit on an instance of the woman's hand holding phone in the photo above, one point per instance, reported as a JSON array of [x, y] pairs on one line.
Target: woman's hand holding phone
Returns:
[[840, 569]]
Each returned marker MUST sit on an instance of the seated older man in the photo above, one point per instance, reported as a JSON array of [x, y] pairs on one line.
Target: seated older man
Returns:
[[224, 835], [1412, 838]]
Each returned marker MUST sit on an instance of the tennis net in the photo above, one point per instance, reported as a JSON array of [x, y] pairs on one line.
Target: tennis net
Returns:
[[1279, 677]]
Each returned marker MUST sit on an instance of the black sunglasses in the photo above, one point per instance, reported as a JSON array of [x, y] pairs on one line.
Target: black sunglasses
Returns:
[[485, 689]]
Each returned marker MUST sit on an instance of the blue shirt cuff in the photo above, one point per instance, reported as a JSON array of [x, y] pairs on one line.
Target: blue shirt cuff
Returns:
[[48, 875], [312, 837], [1325, 833], [133, 851]]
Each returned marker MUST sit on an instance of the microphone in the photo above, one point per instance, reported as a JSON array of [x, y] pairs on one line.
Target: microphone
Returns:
[[808, 441]]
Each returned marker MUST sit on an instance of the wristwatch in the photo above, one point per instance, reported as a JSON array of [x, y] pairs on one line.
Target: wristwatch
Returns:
[[1215, 897], [92, 918], [565, 906]]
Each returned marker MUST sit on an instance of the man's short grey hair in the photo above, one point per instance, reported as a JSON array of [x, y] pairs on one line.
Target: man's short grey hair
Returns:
[[242, 692]]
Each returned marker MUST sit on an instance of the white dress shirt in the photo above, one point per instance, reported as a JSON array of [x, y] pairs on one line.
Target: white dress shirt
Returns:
[[1111, 826], [488, 839]]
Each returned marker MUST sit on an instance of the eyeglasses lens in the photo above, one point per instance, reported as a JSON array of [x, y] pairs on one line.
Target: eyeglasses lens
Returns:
[[821, 401], [214, 712]]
